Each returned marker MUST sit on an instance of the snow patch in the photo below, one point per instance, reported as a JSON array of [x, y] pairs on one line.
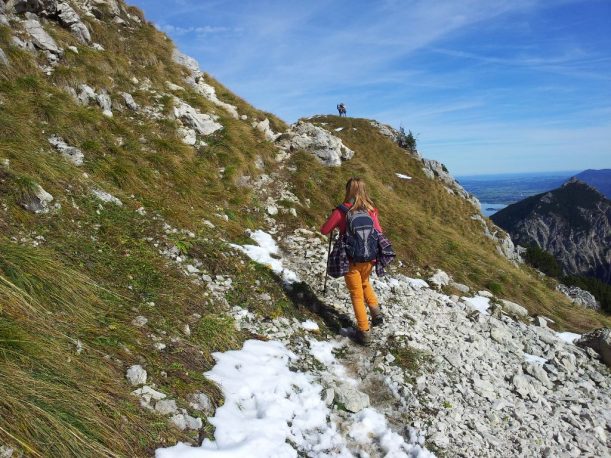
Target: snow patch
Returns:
[[534, 359], [479, 303], [310, 325], [262, 253], [403, 177], [568, 337]]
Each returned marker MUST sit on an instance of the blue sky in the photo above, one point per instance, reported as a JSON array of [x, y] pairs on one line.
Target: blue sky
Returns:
[[488, 86]]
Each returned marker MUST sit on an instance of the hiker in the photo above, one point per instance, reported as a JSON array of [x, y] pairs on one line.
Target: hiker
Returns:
[[341, 108], [355, 252]]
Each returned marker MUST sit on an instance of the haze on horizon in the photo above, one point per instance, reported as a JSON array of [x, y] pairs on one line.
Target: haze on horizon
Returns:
[[488, 86]]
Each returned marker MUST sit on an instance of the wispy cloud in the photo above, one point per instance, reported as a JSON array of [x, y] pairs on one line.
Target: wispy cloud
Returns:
[[476, 78]]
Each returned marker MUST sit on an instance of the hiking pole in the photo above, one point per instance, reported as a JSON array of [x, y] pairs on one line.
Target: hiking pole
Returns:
[[324, 290]]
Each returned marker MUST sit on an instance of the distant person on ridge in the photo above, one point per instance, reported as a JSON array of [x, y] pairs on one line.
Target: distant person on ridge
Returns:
[[341, 108], [357, 246]]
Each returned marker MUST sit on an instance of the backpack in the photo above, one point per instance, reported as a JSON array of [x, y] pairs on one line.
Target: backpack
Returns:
[[361, 235]]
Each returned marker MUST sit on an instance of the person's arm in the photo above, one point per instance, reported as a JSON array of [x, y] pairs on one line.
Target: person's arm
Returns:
[[332, 222], [376, 221]]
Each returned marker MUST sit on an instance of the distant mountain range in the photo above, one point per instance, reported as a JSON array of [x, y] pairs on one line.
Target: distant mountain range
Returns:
[[571, 222], [599, 179]]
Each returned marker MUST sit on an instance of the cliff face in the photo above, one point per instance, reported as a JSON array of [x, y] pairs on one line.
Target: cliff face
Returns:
[[571, 222]]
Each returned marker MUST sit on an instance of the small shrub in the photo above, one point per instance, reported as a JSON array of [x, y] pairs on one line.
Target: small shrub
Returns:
[[542, 260]]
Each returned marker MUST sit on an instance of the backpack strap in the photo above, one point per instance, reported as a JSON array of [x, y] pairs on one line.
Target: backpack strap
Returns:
[[342, 208]]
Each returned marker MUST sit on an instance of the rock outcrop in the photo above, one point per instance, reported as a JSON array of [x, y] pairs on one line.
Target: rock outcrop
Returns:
[[573, 223], [598, 340], [579, 296], [328, 148]]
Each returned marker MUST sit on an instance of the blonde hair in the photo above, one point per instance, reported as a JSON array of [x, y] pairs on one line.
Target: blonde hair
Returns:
[[357, 195]]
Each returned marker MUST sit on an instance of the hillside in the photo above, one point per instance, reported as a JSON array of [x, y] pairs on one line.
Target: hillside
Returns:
[[129, 180], [598, 179], [571, 222]]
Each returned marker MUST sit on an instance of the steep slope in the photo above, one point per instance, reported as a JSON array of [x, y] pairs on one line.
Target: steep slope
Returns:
[[598, 179], [127, 178], [571, 222]]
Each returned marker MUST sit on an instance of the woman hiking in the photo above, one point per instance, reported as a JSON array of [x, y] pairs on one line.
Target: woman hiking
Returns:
[[359, 228]]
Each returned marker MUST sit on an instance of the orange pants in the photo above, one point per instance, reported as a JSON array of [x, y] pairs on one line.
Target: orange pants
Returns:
[[361, 291]]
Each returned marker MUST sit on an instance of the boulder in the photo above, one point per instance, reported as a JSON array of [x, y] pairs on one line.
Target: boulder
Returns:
[[37, 200], [129, 101], [513, 309], [460, 287], [136, 375], [328, 148], [71, 153], [71, 20], [204, 124], [40, 38], [600, 341]]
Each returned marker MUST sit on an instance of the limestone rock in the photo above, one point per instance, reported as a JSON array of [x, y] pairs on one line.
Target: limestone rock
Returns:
[[579, 296], [600, 341], [200, 401], [3, 58], [37, 200], [204, 124], [513, 308], [263, 126], [460, 287], [42, 40], [106, 197], [316, 140], [71, 153], [166, 407], [129, 101], [105, 103], [187, 61], [184, 421], [71, 20], [136, 375], [209, 92], [440, 279], [86, 94], [352, 399]]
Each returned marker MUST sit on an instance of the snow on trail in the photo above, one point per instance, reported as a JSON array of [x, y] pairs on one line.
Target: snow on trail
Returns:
[[271, 411], [262, 253]]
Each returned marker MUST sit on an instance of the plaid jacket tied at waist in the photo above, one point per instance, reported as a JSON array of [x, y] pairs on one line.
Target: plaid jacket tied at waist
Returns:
[[339, 263]]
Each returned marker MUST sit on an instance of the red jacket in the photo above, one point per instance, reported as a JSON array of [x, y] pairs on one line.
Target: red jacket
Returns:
[[338, 220]]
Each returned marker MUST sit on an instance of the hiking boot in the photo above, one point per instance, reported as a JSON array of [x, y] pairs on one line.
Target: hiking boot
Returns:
[[377, 317], [363, 337]]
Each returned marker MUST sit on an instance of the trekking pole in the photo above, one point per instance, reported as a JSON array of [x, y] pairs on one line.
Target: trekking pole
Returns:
[[324, 290]]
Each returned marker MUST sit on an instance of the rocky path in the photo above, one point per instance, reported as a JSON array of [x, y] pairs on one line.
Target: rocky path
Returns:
[[493, 385]]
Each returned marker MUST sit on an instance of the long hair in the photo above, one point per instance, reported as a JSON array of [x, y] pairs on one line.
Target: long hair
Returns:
[[357, 195]]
